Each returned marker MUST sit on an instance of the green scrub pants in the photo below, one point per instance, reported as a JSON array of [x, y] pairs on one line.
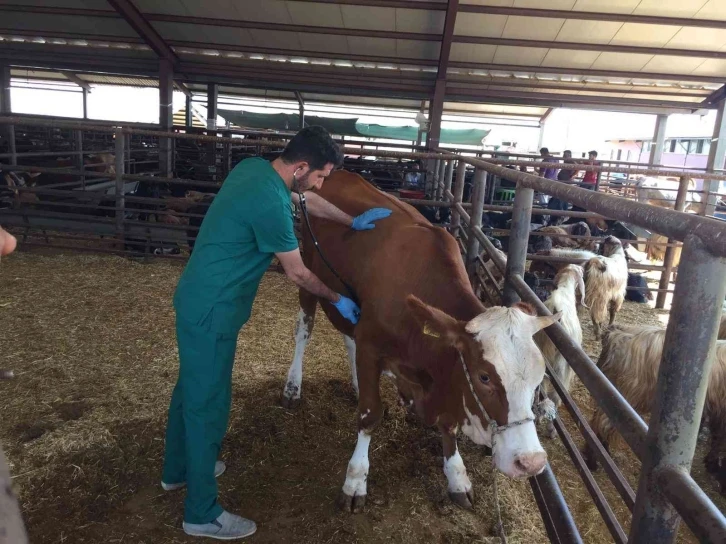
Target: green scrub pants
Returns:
[[198, 416]]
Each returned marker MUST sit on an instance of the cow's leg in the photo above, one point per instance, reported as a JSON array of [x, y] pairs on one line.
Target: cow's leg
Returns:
[[352, 497], [350, 347], [303, 330], [460, 490], [614, 307]]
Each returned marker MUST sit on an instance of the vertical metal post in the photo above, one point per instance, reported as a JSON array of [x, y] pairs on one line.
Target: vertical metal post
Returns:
[[656, 149], [433, 181], [120, 200], [166, 116], [188, 122], [6, 108], [458, 197], [301, 109], [477, 207], [716, 156], [80, 159], [665, 276], [439, 193], [212, 96], [518, 241], [85, 102], [688, 354], [436, 111], [448, 177]]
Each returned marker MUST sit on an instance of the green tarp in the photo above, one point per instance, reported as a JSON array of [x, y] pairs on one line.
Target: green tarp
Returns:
[[348, 127]]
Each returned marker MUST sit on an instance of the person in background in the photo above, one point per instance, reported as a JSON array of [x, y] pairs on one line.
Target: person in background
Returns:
[[565, 175], [549, 173], [413, 179], [589, 181]]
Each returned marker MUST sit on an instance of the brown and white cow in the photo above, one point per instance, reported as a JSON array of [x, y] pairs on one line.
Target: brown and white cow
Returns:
[[420, 324]]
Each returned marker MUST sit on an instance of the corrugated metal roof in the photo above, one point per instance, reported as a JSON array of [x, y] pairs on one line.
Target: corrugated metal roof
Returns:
[[221, 35]]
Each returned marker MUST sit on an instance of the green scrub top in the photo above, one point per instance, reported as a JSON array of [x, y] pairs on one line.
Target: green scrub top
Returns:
[[249, 221]]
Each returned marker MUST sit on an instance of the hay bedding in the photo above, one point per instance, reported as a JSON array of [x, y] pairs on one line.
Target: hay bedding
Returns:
[[91, 339]]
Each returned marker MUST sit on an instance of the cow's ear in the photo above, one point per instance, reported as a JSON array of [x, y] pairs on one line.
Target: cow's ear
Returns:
[[416, 376], [434, 322]]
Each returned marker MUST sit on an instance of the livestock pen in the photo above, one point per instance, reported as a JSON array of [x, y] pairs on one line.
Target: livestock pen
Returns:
[[559, 525]]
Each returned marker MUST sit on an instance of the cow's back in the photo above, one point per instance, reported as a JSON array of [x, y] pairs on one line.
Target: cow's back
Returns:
[[404, 254]]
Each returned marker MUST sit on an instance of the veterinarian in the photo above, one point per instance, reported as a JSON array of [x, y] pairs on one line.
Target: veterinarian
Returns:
[[249, 222]]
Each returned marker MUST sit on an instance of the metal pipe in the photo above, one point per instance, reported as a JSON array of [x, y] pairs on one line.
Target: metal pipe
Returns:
[[700, 514], [665, 277], [119, 187], [613, 472], [477, 201], [598, 498], [555, 513], [440, 185], [518, 238], [457, 197], [688, 354], [448, 178]]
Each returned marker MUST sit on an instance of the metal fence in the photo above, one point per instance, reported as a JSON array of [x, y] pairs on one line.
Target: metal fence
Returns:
[[83, 209]]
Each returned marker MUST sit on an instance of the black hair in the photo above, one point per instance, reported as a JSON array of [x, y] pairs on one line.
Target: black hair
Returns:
[[544, 150], [315, 146], [592, 153]]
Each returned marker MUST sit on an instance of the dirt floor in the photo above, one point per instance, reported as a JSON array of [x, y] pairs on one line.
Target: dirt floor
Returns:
[[91, 340]]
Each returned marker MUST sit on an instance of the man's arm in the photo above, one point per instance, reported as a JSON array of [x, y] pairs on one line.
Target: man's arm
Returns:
[[319, 207], [296, 270]]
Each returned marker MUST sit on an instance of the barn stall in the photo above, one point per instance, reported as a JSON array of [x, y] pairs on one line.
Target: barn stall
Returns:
[[74, 422], [443, 53]]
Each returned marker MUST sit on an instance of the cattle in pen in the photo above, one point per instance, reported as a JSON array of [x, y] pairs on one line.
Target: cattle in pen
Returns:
[[459, 365]]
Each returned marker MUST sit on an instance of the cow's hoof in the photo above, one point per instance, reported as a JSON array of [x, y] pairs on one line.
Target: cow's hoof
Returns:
[[291, 403], [465, 500], [346, 503]]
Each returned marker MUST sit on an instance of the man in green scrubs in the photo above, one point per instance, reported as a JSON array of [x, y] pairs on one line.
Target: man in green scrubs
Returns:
[[248, 223]]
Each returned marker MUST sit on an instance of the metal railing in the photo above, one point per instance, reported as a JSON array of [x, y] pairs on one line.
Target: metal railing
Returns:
[[666, 491]]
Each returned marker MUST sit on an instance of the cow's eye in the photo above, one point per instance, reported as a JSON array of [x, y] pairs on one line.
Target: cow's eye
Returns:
[[484, 378]]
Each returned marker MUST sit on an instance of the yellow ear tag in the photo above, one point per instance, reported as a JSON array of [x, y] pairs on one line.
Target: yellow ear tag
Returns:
[[428, 331]]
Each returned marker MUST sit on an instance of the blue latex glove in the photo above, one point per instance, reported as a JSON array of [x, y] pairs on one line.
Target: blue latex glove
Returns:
[[348, 309], [366, 220]]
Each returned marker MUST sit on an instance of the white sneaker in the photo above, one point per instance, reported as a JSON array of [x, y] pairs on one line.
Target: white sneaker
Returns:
[[219, 468], [226, 527]]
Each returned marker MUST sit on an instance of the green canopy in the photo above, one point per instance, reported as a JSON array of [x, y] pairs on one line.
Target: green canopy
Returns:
[[348, 127]]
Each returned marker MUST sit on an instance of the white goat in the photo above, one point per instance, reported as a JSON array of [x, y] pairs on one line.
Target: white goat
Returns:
[[630, 358], [563, 299], [606, 277]]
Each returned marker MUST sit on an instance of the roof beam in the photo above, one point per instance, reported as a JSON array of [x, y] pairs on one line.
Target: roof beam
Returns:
[[399, 4], [594, 16], [183, 88], [558, 70], [305, 29], [70, 76], [545, 115], [600, 47], [142, 27], [716, 96], [449, 24]]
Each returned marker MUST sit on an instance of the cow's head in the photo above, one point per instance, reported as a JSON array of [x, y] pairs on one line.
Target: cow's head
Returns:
[[505, 367]]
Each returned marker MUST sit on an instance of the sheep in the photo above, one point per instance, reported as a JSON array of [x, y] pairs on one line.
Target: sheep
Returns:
[[641, 294], [606, 277], [562, 300], [630, 358]]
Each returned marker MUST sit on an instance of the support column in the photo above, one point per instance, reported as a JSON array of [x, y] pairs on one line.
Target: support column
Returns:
[[656, 149], [540, 138], [188, 117], [688, 354], [212, 95], [435, 112], [716, 156], [518, 240], [301, 109], [458, 197], [166, 116], [6, 109], [85, 102], [477, 208]]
